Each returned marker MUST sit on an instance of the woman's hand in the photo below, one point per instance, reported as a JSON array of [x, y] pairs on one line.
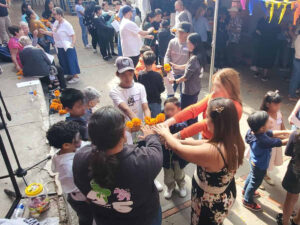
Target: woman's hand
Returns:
[[146, 132], [162, 129]]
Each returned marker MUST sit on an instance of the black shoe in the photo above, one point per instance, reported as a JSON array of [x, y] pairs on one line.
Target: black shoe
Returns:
[[114, 54], [106, 58], [1, 126], [109, 57]]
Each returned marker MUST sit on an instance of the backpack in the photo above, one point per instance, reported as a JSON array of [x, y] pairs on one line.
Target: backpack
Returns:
[[5, 54]]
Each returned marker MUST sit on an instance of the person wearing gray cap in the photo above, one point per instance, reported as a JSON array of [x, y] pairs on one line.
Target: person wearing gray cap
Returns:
[[131, 34], [177, 54], [128, 96]]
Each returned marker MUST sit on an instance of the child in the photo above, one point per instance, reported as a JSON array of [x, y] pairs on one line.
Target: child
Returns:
[[261, 140], [271, 104], [73, 101], [173, 165], [91, 99], [65, 136], [130, 97], [291, 181], [153, 83], [80, 13], [141, 66], [164, 36]]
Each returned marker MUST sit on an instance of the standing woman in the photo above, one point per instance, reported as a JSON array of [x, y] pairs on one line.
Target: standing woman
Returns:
[[192, 74], [213, 184], [64, 37], [226, 84], [80, 13], [116, 178]]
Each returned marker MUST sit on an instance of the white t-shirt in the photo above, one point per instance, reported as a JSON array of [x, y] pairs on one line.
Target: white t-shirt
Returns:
[[131, 41], [62, 34]]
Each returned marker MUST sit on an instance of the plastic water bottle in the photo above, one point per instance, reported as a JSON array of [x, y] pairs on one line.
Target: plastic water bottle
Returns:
[[19, 211]]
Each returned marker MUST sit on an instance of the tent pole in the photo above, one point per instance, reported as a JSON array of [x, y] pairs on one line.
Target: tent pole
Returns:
[[213, 44]]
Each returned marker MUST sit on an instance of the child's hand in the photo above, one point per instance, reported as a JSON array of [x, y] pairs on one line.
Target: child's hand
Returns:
[[146, 132]]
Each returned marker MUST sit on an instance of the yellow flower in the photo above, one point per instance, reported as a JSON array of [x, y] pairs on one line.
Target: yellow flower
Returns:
[[62, 112], [174, 30], [160, 118], [152, 121], [129, 124], [155, 31], [136, 122], [35, 93], [56, 93], [167, 67]]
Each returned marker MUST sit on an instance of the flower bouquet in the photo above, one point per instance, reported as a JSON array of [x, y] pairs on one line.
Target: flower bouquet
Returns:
[[56, 105]]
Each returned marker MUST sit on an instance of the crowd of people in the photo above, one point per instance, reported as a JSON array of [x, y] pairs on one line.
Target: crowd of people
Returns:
[[107, 169]]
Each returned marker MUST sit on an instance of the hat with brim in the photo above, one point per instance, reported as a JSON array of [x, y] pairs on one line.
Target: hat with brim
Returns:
[[185, 27], [124, 64]]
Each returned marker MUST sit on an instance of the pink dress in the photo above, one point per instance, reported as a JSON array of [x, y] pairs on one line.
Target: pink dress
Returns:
[[14, 44], [276, 157]]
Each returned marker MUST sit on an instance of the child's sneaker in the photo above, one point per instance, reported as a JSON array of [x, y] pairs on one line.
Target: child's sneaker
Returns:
[[252, 206], [256, 194], [159, 187], [182, 192], [168, 193]]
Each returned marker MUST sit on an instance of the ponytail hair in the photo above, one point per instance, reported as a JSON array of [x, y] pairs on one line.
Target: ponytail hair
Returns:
[[106, 129]]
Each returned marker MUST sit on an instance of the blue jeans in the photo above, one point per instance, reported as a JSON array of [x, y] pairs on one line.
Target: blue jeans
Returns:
[[120, 53], [295, 79], [155, 109], [176, 85], [254, 180], [187, 100], [158, 219], [84, 33]]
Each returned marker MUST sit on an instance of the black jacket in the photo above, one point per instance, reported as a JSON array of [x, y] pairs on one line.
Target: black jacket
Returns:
[[164, 36], [35, 62], [103, 31]]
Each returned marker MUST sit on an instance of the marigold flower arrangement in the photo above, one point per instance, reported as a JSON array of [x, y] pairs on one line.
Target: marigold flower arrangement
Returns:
[[134, 123], [56, 104], [153, 121]]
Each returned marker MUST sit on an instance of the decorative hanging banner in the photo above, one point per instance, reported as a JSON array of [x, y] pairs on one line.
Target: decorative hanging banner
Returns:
[[265, 4]]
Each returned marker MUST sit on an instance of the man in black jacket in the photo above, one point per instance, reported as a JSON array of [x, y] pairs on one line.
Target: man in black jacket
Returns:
[[36, 63], [103, 33]]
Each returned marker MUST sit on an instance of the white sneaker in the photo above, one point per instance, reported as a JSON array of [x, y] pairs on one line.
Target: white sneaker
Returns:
[[253, 68], [74, 80], [95, 51], [168, 193], [159, 187], [182, 192], [88, 46]]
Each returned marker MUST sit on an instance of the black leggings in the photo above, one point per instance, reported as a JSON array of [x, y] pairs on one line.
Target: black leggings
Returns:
[[93, 33], [104, 45]]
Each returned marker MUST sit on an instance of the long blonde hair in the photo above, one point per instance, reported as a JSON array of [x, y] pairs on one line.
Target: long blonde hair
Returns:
[[230, 79]]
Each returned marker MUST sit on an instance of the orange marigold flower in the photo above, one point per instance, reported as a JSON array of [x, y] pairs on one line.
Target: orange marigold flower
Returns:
[[56, 93], [174, 30], [155, 31], [136, 122], [62, 112], [19, 77], [152, 121], [20, 72], [129, 124], [34, 92], [167, 67], [160, 118], [56, 100]]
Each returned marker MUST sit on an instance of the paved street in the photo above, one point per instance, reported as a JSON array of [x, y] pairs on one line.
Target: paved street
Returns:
[[101, 75]]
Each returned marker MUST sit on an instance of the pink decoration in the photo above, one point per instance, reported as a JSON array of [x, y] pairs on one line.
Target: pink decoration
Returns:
[[122, 194], [243, 3]]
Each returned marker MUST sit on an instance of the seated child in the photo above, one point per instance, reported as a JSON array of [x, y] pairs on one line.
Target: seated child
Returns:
[[261, 140], [141, 66], [65, 136], [91, 99], [153, 83], [173, 165], [73, 101]]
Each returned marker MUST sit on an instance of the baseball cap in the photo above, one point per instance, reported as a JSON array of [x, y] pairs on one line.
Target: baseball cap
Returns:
[[126, 9], [123, 64], [185, 27]]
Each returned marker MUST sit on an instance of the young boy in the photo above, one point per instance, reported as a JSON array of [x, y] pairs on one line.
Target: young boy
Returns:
[[130, 97], [261, 140], [73, 101], [153, 83], [65, 136], [91, 99], [141, 66], [173, 165]]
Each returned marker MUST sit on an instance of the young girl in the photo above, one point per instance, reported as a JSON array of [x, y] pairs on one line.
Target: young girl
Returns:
[[80, 13], [271, 104]]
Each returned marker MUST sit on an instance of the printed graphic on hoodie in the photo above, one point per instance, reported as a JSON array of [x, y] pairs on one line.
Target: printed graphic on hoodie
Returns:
[[119, 199]]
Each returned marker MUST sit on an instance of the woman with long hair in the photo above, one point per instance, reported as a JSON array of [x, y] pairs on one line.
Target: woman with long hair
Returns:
[[193, 71], [48, 12], [118, 179], [25, 7], [14, 46], [213, 184], [226, 84]]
